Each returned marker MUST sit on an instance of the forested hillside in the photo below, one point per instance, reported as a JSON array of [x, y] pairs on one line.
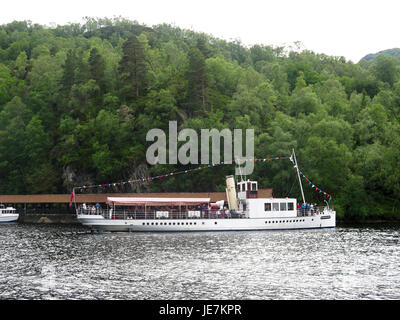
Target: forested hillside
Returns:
[[394, 53], [76, 102]]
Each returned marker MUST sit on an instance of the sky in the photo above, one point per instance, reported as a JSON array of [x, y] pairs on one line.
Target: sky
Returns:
[[349, 28]]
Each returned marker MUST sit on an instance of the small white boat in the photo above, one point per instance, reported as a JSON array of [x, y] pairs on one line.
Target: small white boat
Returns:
[[243, 210], [8, 214]]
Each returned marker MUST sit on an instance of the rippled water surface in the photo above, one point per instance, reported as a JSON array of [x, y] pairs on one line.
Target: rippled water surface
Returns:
[[68, 262]]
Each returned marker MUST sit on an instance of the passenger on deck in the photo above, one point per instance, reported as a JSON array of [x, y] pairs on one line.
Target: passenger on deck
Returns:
[[227, 215]]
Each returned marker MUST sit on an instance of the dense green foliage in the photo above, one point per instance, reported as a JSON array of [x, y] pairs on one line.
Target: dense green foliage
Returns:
[[76, 102]]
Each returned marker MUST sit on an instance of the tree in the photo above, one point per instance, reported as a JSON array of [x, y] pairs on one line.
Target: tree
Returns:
[[386, 69], [13, 159], [304, 101], [333, 95], [196, 76], [133, 70], [96, 69], [68, 77]]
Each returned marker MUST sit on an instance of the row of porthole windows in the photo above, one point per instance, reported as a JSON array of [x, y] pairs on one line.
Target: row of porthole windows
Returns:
[[168, 223], [287, 221], [194, 223]]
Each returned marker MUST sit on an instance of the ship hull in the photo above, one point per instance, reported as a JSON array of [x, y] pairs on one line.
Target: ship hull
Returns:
[[185, 225], [8, 218]]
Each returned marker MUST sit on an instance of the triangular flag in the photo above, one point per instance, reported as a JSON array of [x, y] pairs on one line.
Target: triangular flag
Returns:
[[72, 198]]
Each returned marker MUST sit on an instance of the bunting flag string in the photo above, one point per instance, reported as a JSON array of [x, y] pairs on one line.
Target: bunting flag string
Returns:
[[149, 179], [313, 186]]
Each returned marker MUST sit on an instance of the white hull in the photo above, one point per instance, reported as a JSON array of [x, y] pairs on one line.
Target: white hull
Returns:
[[4, 218], [98, 222]]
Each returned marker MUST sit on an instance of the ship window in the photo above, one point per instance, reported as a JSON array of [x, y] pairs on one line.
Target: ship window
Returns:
[[275, 207], [283, 206], [267, 207], [290, 206]]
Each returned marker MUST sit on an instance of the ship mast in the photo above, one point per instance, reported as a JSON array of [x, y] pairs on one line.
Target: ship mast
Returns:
[[298, 174], [240, 168]]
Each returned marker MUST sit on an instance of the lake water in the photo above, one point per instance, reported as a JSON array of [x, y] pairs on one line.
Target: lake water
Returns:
[[68, 262]]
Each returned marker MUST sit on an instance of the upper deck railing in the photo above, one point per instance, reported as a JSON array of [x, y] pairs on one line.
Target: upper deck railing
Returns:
[[176, 214]]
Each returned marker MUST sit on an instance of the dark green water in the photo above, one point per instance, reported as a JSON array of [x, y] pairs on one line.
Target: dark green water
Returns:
[[68, 262]]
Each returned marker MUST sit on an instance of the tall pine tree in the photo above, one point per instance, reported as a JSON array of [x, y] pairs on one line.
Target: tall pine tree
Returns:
[[132, 68], [96, 69], [196, 76], [68, 76]]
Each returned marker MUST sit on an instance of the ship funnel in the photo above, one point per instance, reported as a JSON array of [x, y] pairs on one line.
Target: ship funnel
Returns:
[[231, 193]]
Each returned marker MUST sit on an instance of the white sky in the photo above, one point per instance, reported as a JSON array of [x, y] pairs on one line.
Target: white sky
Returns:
[[348, 28]]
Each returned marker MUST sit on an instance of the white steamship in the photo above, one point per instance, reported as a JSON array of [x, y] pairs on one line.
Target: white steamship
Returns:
[[243, 210]]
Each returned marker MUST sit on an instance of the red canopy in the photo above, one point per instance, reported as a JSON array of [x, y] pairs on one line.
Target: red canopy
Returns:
[[132, 201]]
